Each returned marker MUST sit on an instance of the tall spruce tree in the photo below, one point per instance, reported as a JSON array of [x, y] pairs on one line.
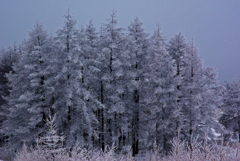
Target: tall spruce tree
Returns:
[[113, 62], [177, 50], [138, 44], [27, 105], [73, 102], [231, 110], [199, 101], [160, 94], [91, 68], [7, 59]]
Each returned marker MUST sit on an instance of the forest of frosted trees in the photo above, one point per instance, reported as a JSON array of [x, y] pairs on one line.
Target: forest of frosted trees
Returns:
[[114, 85]]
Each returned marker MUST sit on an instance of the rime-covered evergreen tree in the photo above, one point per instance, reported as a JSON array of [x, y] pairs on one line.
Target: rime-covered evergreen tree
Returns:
[[137, 50], [113, 62], [51, 143], [160, 94], [89, 44], [26, 103], [177, 51], [231, 109], [73, 102], [7, 59], [91, 69], [199, 100]]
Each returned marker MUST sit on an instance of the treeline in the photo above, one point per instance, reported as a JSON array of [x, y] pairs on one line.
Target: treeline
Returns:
[[111, 86]]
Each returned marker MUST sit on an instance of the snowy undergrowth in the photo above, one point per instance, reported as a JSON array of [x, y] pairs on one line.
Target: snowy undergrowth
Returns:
[[181, 151], [37, 154], [197, 151]]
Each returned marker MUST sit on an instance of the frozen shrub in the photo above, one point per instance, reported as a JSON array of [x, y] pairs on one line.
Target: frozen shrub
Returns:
[[202, 152], [181, 151], [30, 154]]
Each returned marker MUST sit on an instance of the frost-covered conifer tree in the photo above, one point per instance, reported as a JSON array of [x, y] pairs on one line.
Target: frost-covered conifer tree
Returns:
[[91, 67], [177, 50], [51, 143], [194, 96], [72, 101], [89, 45], [67, 41], [138, 44], [27, 104], [7, 59], [160, 94], [113, 62], [231, 109], [197, 99]]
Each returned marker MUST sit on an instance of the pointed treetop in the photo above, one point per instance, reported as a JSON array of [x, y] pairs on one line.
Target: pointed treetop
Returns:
[[70, 22], [177, 45], [37, 36], [158, 37], [136, 28], [113, 19]]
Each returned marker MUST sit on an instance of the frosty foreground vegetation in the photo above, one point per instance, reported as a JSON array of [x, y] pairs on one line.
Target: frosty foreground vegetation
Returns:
[[180, 152], [50, 148], [114, 86]]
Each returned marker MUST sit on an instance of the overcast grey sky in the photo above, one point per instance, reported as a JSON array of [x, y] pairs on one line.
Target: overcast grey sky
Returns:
[[213, 24]]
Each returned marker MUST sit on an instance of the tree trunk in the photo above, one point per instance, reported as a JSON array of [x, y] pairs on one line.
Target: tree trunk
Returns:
[[101, 120], [239, 127], [135, 122]]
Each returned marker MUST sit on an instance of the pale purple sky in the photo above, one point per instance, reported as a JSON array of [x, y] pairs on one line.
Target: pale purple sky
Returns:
[[213, 24]]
